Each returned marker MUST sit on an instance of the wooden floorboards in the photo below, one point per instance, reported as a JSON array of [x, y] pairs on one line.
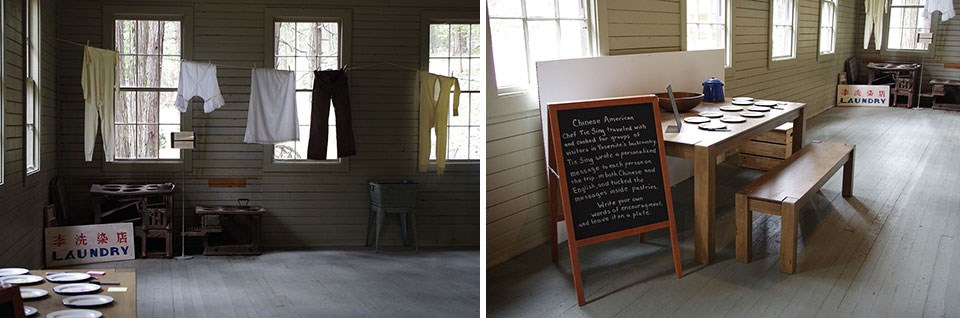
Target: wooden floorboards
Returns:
[[337, 283], [891, 250]]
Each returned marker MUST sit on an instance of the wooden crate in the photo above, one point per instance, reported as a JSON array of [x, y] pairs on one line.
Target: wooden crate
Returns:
[[768, 149]]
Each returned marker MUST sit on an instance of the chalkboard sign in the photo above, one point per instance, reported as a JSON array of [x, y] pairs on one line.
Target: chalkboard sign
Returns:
[[611, 163], [615, 179]]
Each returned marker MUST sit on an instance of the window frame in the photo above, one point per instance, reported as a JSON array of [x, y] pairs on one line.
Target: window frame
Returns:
[[591, 8], [270, 17], [31, 85], [452, 17], [3, 99], [886, 51], [833, 50], [787, 61], [728, 26], [132, 12]]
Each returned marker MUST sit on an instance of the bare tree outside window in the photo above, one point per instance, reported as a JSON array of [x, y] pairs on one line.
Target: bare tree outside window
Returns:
[[304, 47], [455, 52], [148, 74], [906, 21], [784, 29]]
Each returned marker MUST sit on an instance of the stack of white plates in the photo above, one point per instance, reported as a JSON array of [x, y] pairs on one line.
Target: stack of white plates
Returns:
[[75, 313], [21, 279], [13, 271], [68, 277]]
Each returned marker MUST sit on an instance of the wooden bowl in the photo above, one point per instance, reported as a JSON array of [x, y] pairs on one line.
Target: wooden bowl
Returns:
[[685, 101]]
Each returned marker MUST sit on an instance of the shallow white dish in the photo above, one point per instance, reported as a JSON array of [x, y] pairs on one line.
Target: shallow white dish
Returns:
[[13, 271], [743, 102], [733, 119], [75, 313], [87, 300], [712, 126], [79, 288], [758, 109], [731, 108], [29, 311], [746, 98], [696, 120], [711, 114], [752, 114], [766, 103], [68, 277], [21, 279], [32, 293]]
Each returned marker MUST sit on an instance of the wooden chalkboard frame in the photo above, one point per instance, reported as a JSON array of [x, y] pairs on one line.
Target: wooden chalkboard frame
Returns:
[[557, 161]]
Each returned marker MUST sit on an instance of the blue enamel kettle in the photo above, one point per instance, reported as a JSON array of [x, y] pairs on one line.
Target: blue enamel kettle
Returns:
[[713, 90]]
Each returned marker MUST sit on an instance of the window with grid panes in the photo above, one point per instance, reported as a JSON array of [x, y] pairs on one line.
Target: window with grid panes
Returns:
[[455, 52], [32, 89], [828, 26], [906, 21], [526, 31], [148, 74], [304, 47], [708, 26], [784, 36]]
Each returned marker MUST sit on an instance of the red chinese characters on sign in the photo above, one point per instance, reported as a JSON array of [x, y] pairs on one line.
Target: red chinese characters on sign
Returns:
[[81, 239], [121, 237], [102, 238], [59, 240]]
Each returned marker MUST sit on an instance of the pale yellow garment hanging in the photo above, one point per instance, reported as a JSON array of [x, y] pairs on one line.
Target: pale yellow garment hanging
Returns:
[[99, 82], [874, 22], [434, 109]]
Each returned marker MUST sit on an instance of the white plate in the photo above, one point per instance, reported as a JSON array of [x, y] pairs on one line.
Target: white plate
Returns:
[[32, 293], [696, 120], [745, 98], [29, 311], [68, 277], [743, 102], [13, 271], [766, 103], [711, 114], [731, 108], [752, 114], [758, 109], [87, 300], [75, 313], [21, 279], [79, 288], [710, 126], [733, 119]]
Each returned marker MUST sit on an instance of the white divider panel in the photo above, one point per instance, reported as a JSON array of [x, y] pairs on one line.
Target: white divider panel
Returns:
[[626, 75]]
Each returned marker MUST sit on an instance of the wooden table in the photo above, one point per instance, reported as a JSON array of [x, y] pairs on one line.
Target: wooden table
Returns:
[[211, 220], [703, 147], [124, 303]]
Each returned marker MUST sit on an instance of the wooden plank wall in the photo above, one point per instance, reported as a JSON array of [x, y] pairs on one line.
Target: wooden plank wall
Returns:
[[516, 192], [305, 209], [23, 198], [946, 50]]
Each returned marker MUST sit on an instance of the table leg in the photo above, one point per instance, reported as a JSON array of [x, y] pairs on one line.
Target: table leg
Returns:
[[554, 207], [704, 202], [799, 124]]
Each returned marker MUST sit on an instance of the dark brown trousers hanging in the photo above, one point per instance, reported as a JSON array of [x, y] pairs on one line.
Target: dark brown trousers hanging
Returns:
[[329, 85]]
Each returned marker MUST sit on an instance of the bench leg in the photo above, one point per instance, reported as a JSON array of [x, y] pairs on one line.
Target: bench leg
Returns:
[[788, 236], [744, 229], [847, 190]]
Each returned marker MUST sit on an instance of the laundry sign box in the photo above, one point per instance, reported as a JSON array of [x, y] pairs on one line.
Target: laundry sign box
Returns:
[[863, 95], [84, 244]]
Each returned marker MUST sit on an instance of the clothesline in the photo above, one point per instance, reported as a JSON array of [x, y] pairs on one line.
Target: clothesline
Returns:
[[74, 43]]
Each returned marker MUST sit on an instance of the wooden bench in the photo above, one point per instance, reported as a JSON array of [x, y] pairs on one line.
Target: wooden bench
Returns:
[[787, 188]]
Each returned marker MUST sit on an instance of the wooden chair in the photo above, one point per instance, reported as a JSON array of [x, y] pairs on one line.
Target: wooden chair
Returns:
[[784, 190], [904, 88], [11, 303]]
